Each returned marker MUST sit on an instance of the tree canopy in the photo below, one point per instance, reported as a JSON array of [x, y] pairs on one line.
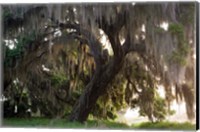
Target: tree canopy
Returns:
[[80, 60]]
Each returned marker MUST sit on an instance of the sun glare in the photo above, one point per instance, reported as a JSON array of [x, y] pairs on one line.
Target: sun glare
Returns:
[[104, 40], [10, 43], [194, 56], [45, 68], [130, 113], [164, 25], [143, 28], [161, 91]]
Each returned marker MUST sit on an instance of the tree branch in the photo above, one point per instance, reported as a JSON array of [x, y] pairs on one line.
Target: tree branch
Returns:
[[90, 38], [129, 47]]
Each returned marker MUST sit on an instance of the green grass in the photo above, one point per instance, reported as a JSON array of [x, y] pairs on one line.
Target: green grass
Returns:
[[165, 125], [60, 123], [92, 124]]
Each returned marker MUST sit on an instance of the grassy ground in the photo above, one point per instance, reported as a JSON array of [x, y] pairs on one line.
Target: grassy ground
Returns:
[[91, 124], [165, 126]]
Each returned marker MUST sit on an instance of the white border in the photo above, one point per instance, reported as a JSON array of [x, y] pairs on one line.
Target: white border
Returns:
[[86, 1]]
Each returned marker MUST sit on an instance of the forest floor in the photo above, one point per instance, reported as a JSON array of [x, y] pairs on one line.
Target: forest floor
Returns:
[[92, 124]]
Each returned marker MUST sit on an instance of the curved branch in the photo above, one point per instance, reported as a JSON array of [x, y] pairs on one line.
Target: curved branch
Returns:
[[90, 38]]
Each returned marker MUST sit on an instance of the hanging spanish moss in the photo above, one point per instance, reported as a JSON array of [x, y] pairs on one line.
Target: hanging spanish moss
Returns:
[[81, 59]]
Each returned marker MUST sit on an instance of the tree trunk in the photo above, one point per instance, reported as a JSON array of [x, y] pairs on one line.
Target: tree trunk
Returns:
[[96, 87]]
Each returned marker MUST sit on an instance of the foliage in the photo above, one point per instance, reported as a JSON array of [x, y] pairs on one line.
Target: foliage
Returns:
[[186, 16], [75, 55], [17, 103], [183, 47], [143, 86], [58, 79], [7, 14], [159, 30], [176, 29], [177, 57], [20, 47], [159, 108], [109, 104], [155, 110]]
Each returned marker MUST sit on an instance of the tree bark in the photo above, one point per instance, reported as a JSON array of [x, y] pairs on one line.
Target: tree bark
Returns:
[[97, 87], [104, 73]]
